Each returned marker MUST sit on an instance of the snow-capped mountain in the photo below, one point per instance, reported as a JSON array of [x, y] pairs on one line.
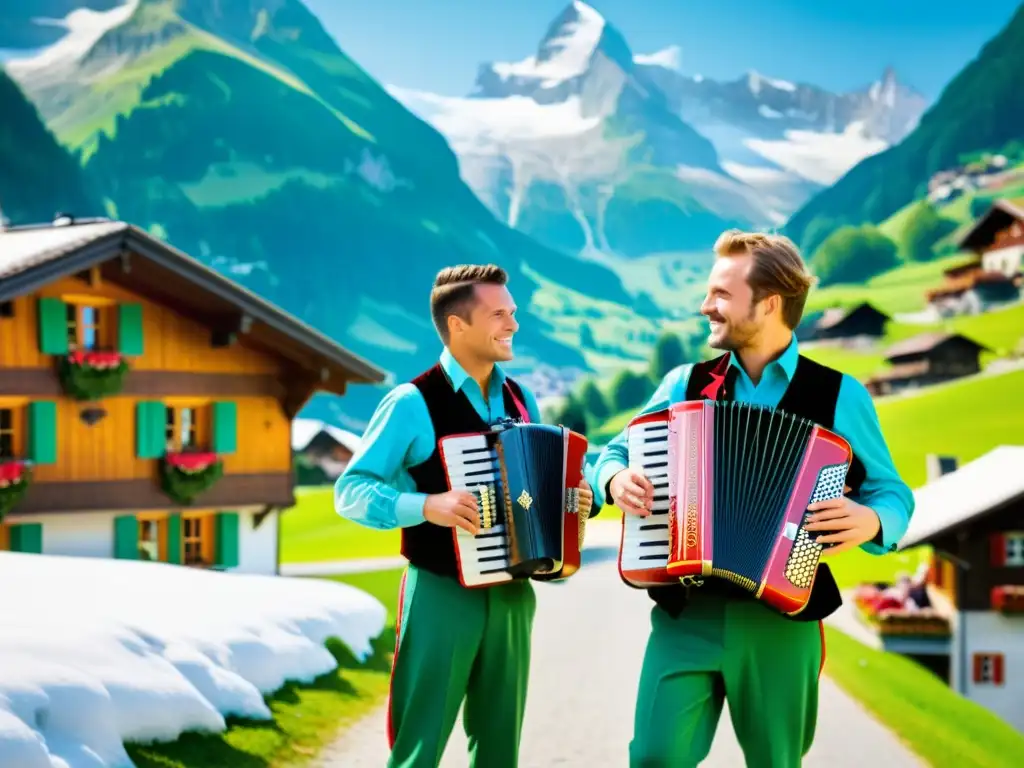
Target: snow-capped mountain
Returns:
[[774, 133], [576, 146], [585, 139]]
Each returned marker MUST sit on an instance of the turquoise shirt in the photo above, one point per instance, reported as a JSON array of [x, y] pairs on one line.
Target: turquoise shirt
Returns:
[[376, 489], [855, 420]]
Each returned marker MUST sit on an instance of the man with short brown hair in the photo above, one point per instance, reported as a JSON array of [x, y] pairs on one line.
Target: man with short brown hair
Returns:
[[714, 642], [453, 642]]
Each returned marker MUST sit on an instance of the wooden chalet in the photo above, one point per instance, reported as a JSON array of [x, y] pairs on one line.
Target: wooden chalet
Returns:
[[322, 451], [861, 321], [973, 519], [146, 400], [925, 359], [993, 276]]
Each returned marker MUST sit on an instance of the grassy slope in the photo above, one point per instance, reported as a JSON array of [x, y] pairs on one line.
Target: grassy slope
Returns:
[[312, 531], [306, 717], [942, 727]]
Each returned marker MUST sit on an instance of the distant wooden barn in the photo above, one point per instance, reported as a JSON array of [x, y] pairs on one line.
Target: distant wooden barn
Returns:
[[973, 518], [861, 321], [925, 359], [993, 276], [321, 451]]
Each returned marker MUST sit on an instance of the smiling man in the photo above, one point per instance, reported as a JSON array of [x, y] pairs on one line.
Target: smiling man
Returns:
[[453, 643], [714, 642]]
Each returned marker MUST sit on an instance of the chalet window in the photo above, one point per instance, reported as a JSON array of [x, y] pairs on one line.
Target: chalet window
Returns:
[[6, 309], [87, 326], [8, 434], [177, 425], [197, 540], [1014, 543], [182, 428], [153, 539], [988, 668]]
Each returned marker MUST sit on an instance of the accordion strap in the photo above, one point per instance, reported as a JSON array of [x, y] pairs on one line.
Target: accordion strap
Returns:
[[523, 413]]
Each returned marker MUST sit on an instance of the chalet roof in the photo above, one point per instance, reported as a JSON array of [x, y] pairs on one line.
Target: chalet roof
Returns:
[[925, 342], [835, 315], [1000, 215], [973, 490], [33, 256], [304, 430]]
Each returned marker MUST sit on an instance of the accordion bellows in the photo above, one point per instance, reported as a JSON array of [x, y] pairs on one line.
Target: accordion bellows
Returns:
[[732, 485], [526, 479]]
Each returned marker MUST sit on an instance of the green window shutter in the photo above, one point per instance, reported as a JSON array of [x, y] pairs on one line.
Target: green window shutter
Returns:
[[126, 537], [226, 539], [129, 329], [42, 432], [27, 537], [225, 427], [150, 429], [53, 327], [174, 539]]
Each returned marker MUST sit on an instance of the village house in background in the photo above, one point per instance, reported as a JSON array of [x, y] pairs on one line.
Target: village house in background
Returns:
[[146, 401], [973, 518], [321, 451], [948, 185], [993, 277], [857, 325], [925, 359]]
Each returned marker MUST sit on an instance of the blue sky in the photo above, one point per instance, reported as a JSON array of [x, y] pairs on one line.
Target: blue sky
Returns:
[[437, 45]]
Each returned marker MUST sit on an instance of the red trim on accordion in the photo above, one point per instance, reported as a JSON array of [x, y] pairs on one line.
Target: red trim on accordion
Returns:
[[821, 629], [394, 659]]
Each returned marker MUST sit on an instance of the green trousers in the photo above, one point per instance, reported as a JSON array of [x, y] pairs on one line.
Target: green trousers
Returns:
[[764, 665], [458, 644]]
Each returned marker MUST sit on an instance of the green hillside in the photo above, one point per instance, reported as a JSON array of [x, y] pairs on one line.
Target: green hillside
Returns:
[[239, 132], [38, 177], [982, 108]]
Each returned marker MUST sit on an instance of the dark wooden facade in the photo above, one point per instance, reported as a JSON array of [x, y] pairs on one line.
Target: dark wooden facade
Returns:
[[925, 360], [862, 320], [974, 560]]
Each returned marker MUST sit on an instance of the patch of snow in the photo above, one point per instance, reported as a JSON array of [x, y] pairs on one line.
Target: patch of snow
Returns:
[[669, 58], [765, 111], [95, 652], [819, 156], [572, 51], [755, 174], [84, 29], [479, 124]]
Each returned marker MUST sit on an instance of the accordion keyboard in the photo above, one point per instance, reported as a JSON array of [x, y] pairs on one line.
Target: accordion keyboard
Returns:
[[472, 465], [646, 539]]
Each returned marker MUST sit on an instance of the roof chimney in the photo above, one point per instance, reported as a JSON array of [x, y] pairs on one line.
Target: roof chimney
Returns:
[[939, 465]]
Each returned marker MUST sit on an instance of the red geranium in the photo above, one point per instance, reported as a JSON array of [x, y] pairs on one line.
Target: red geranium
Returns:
[[191, 462], [94, 359], [11, 472]]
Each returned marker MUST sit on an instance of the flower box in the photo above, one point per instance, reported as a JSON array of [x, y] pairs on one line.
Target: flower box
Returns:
[[15, 476], [92, 375], [1008, 598], [187, 474]]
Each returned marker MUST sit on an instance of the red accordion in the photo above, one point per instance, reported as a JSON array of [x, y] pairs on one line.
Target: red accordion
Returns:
[[732, 485]]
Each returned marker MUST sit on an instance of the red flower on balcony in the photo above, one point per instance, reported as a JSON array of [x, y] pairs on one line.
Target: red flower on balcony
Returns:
[[92, 374], [1008, 598], [11, 473], [14, 480], [191, 462], [101, 361]]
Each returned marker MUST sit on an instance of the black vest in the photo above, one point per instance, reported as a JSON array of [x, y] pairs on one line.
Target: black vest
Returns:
[[812, 394], [428, 546]]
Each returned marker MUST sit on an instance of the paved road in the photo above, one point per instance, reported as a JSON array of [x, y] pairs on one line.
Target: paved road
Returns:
[[580, 709]]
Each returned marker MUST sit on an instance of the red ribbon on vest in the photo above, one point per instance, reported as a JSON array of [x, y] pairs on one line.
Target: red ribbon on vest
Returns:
[[712, 390]]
